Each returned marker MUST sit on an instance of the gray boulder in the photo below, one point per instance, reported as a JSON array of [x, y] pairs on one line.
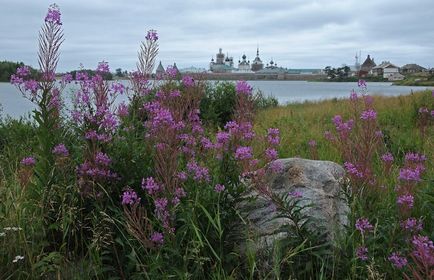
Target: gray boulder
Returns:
[[319, 182]]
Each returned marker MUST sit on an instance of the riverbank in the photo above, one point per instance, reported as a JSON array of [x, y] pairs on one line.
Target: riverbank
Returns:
[[418, 79]]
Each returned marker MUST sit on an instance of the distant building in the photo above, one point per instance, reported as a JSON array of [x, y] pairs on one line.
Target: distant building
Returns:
[[273, 70], [222, 64], [160, 69], [257, 62], [390, 70], [244, 65], [386, 69], [366, 66], [412, 68]]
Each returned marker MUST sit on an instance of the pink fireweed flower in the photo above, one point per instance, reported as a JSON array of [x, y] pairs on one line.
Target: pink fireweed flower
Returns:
[[362, 83], [206, 143], [103, 67], [182, 176], [352, 170], [397, 260], [276, 166], [16, 80], [342, 126], [28, 161], [243, 153], [415, 158], [406, 200], [60, 150], [171, 71], [222, 137], [337, 120], [362, 253], [48, 76], [66, 79], [55, 100], [200, 173], [423, 249], [219, 188], [423, 110], [409, 174], [81, 76], [362, 224], [150, 185], [53, 15], [232, 127], [157, 238], [160, 204], [129, 197], [368, 115], [118, 88], [31, 85], [23, 71], [412, 225], [296, 194], [387, 157], [102, 159], [122, 110], [152, 35], [187, 81], [273, 136], [242, 87], [271, 154], [246, 129], [312, 143], [180, 192]]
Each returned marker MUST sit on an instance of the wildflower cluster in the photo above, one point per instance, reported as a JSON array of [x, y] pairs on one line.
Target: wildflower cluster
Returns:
[[94, 114], [358, 139]]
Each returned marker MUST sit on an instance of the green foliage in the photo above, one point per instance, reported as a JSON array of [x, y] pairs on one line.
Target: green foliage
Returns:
[[217, 106]]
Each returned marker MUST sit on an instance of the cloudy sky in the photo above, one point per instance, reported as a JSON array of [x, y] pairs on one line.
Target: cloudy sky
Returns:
[[295, 33]]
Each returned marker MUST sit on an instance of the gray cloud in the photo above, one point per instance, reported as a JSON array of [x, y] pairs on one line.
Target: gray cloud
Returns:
[[296, 33]]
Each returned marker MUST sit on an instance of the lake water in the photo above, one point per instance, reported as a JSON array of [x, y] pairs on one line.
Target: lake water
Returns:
[[15, 105]]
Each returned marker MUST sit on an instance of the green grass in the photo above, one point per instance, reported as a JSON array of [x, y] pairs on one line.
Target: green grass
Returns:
[[301, 122]]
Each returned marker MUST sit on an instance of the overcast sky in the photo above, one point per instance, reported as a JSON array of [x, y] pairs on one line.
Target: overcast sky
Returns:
[[295, 33]]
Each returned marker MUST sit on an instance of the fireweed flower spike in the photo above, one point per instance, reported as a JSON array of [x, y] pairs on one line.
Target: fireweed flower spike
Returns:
[[60, 150], [28, 161], [53, 15], [147, 55], [397, 260], [152, 35], [362, 224], [362, 84], [243, 88], [362, 253]]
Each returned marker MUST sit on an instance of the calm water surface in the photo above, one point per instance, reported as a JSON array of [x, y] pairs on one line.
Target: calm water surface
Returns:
[[15, 105]]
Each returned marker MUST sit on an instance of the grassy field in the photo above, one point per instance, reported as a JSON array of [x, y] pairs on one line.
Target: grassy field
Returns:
[[301, 122]]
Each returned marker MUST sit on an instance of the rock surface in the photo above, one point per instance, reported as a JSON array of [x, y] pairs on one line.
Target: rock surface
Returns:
[[320, 184]]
